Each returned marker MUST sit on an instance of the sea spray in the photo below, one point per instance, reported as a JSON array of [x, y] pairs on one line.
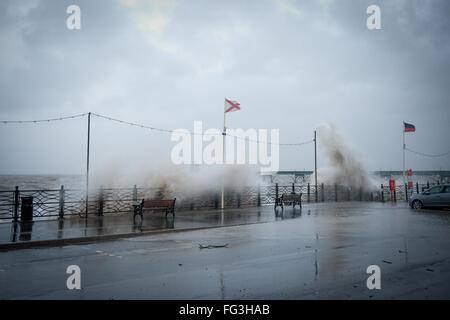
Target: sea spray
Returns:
[[182, 182], [345, 166]]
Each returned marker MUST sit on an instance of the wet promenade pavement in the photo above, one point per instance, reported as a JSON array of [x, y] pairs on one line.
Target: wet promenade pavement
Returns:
[[322, 253], [75, 227]]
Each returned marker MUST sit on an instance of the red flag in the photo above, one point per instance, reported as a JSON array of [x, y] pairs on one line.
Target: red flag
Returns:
[[231, 106], [409, 127]]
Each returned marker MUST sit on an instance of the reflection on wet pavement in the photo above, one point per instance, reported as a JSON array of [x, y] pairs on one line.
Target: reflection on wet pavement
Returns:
[[322, 252], [72, 227]]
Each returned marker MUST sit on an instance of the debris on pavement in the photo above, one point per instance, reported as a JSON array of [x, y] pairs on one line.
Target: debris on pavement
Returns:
[[210, 246]]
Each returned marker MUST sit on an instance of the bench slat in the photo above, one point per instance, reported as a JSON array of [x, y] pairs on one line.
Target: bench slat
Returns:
[[291, 197], [158, 203]]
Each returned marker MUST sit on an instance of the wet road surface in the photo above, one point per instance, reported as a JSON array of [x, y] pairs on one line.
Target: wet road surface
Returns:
[[321, 254]]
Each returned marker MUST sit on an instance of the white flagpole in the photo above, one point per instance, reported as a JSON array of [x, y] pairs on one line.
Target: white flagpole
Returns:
[[404, 147], [224, 133]]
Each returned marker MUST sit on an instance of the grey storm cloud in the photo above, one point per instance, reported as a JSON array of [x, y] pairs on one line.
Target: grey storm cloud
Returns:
[[291, 64]]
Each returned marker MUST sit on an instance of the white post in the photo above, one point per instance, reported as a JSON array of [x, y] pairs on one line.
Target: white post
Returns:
[[404, 147], [224, 133]]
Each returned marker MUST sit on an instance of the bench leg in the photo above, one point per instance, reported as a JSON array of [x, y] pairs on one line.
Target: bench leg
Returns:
[[275, 207], [277, 203]]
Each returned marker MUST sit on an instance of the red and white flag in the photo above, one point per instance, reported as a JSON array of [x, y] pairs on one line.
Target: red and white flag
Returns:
[[231, 106]]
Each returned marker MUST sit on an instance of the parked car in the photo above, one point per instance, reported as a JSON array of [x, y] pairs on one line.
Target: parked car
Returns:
[[437, 196]]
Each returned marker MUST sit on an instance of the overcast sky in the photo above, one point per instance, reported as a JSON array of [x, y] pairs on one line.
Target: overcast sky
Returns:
[[291, 64]]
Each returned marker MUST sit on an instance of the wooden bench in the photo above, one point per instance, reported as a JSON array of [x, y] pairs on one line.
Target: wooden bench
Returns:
[[288, 199], [156, 205]]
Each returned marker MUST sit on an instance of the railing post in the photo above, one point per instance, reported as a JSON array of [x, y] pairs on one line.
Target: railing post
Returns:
[[335, 192], [428, 185], [276, 190], [395, 195], [135, 195], [61, 202], [323, 192], [216, 201], [406, 192], [100, 201], [259, 195], [293, 188], [417, 187], [382, 193], [16, 204], [309, 193], [316, 193], [238, 199]]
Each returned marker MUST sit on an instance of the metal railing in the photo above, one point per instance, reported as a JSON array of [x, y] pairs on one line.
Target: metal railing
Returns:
[[72, 202]]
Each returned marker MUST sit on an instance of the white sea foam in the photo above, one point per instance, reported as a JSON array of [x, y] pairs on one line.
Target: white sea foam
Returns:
[[345, 166]]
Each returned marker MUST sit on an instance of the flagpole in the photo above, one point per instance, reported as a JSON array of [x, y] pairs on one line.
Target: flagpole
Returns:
[[222, 203], [315, 163], [404, 147]]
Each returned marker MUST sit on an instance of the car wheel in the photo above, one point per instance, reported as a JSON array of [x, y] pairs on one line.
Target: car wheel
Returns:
[[417, 205]]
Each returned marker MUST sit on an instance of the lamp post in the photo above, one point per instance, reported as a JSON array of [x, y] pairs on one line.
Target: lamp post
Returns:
[[87, 164]]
